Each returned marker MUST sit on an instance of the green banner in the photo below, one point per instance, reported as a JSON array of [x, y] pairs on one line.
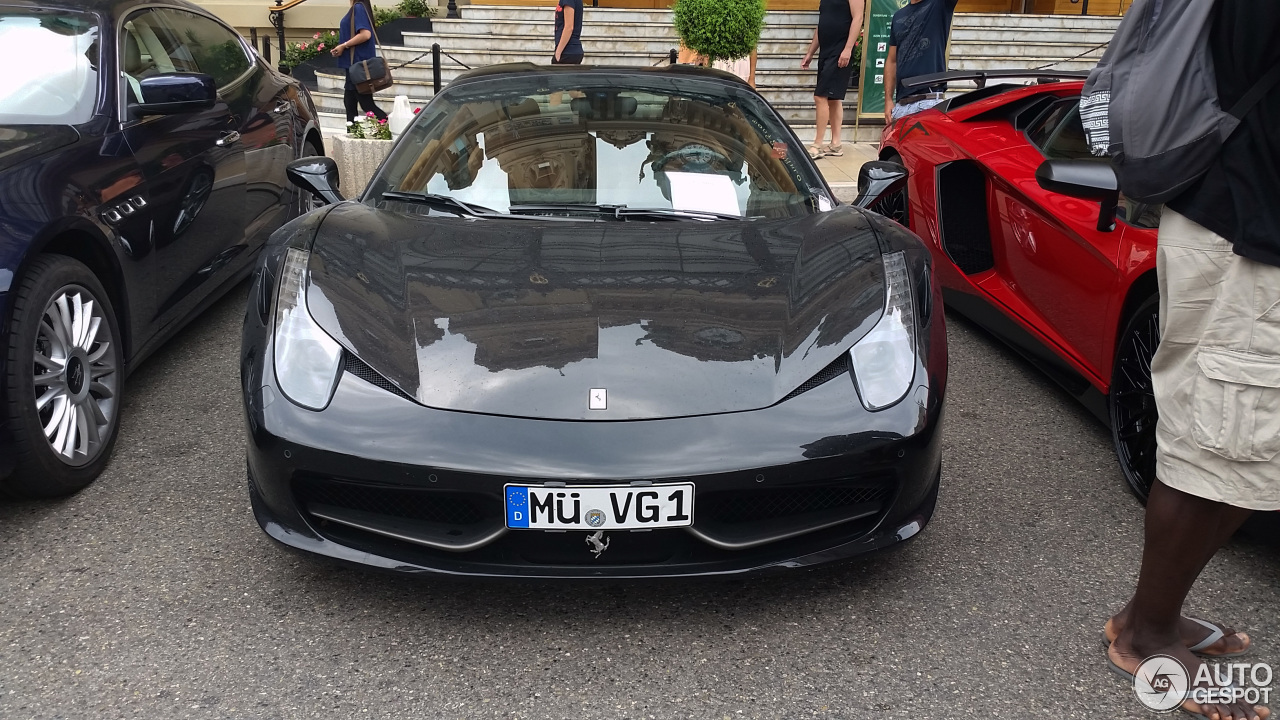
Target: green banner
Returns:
[[875, 50]]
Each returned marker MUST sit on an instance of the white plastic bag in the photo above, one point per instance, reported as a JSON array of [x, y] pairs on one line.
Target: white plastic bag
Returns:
[[400, 117]]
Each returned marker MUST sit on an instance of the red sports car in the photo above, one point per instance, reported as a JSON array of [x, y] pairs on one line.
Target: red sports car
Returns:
[[1068, 280]]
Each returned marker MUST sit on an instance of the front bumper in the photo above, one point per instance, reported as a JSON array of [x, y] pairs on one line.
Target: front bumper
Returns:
[[378, 480]]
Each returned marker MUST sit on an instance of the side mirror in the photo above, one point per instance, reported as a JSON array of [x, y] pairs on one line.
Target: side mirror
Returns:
[[1086, 180], [877, 179], [175, 93], [318, 175]]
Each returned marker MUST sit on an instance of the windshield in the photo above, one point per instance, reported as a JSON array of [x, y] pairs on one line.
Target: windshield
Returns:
[[51, 66], [530, 145]]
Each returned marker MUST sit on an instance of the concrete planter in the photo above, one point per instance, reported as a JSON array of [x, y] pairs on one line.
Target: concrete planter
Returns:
[[392, 33], [357, 161]]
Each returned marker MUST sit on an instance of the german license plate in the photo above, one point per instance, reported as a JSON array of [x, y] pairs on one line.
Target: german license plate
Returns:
[[599, 507]]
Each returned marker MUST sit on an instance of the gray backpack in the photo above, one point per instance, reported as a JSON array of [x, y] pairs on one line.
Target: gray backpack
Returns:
[[1152, 101]]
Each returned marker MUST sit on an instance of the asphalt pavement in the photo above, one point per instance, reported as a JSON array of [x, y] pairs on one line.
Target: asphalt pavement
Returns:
[[153, 594]]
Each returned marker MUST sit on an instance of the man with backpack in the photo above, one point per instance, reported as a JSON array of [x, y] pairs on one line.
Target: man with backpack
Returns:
[[1216, 375]]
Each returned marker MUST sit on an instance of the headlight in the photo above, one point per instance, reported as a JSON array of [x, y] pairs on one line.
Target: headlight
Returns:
[[306, 358], [884, 362]]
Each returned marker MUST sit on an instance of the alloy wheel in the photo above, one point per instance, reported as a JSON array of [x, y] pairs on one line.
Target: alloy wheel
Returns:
[[894, 207], [74, 374], [897, 206], [1133, 401]]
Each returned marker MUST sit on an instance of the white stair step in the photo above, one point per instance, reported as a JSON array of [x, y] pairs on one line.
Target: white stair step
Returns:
[[605, 32], [1085, 22], [1013, 35], [613, 16], [1021, 50], [1004, 63]]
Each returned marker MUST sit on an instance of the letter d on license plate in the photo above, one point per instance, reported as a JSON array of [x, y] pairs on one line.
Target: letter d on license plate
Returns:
[[599, 507]]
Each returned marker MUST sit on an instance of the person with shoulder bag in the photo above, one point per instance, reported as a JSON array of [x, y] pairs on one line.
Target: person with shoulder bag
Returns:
[[1186, 102], [357, 53]]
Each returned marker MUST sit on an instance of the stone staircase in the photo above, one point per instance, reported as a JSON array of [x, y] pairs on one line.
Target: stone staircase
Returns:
[[487, 35]]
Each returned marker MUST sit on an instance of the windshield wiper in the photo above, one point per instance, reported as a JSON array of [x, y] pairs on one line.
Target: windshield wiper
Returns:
[[445, 201], [620, 212], [673, 213]]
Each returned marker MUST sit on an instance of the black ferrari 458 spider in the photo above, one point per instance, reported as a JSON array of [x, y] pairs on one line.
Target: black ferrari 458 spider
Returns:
[[594, 322]]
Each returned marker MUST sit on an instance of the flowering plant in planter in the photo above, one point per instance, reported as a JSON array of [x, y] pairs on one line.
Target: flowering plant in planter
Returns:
[[369, 127], [296, 53]]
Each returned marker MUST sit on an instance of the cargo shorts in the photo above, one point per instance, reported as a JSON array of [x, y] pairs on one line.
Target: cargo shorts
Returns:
[[1216, 374]]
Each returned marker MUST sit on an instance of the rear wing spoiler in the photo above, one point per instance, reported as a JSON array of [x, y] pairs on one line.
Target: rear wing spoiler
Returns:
[[982, 76]]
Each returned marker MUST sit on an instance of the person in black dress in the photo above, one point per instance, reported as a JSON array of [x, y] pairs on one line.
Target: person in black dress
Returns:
[[839, 25]]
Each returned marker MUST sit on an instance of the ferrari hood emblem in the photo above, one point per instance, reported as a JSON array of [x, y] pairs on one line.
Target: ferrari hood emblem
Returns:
[[593, 542]]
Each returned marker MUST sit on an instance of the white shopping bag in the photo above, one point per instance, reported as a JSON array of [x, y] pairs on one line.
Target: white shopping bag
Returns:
[[401, 115]]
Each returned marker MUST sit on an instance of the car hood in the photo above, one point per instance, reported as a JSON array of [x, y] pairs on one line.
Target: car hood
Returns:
[[527, 317], [19, 143]]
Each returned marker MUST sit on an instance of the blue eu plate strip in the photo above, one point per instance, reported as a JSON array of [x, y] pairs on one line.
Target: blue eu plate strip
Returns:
[[517, 507]]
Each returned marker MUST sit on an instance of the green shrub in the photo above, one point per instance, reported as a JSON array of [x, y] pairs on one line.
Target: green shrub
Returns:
[[720, 29], [417, 8], [382, 16]]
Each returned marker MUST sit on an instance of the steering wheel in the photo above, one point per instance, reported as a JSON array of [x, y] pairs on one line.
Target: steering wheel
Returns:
[[698, 158]]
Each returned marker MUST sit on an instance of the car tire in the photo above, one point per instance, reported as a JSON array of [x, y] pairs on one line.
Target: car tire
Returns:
[[306, 202], [1132, 402], [64, 372], [897, 206]]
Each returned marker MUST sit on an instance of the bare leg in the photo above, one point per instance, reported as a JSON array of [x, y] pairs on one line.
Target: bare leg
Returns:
[[1182, 534], [1191, 631], [836, 112], [821, 110]]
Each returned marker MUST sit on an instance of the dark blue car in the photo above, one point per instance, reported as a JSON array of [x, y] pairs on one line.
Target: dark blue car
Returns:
[[142, 165]]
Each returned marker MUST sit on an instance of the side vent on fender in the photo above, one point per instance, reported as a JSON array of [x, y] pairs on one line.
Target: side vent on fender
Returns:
[[962, 216]]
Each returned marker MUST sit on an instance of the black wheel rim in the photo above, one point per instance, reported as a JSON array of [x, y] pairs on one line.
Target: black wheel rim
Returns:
[[1133, 404], [894, 207]]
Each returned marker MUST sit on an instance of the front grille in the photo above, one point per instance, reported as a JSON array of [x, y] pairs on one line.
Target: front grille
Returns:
[[423, 505], [747, 506], [837, 367], [360, 369]]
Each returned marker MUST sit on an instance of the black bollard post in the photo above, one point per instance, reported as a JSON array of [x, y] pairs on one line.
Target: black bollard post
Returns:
[[435, 67]]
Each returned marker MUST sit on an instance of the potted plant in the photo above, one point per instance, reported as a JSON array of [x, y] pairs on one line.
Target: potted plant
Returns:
[[360, 151], [719, 32], [407, 16]]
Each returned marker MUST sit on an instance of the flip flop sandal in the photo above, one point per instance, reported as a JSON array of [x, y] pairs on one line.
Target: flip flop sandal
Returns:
[[1130, 678], [816, 152], [1216, 633], [835, 150]]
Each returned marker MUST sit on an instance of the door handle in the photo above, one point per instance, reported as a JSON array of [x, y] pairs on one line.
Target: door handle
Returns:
[[228, 138], [283, 107]]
